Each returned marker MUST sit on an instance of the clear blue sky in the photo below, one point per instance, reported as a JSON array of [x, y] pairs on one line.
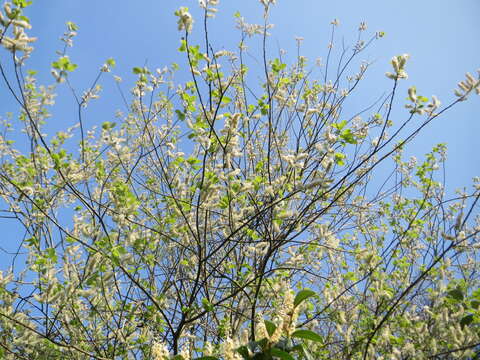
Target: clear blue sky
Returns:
[[441, 36]]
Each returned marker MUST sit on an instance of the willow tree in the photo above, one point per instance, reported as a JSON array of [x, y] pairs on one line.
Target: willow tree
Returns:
[[226, 218]]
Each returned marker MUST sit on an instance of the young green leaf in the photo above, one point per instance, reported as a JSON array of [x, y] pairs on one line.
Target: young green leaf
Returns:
[[307, 335], [302, 296], [111, 62], [71, 26], [466, 320], [283, 355], [456, 294], [271, 327]]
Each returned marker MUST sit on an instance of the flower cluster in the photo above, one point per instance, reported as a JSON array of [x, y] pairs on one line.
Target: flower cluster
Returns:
[[267, 3], [209, 6], [419, 103], [467, 86], [160, 351], [11, 18], [398, 62], [185, 19], [218, 218]]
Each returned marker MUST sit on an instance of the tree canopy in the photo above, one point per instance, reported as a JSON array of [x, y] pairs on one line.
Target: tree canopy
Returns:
[[235, 215]]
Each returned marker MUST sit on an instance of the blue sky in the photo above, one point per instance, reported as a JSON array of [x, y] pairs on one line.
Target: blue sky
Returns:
[[441, 36]]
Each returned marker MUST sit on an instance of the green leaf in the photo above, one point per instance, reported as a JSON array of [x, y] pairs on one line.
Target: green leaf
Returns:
[[339, 159], [207, 358], [24, 18], [138, 70], [243, 350], [71, 26], [64, 63], [271, 327], [302, 296], [476, 294], [261, 356], [111, 62], [22, 3], [180, 115], [183, 46], [307, 335], [33, 241], [193, 160], [456, 294], [70, 67], [51, 254], [207, 305], [281, 354], [108, 125], [340, 125], [277, 66], [348, 137], [466, 320]]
